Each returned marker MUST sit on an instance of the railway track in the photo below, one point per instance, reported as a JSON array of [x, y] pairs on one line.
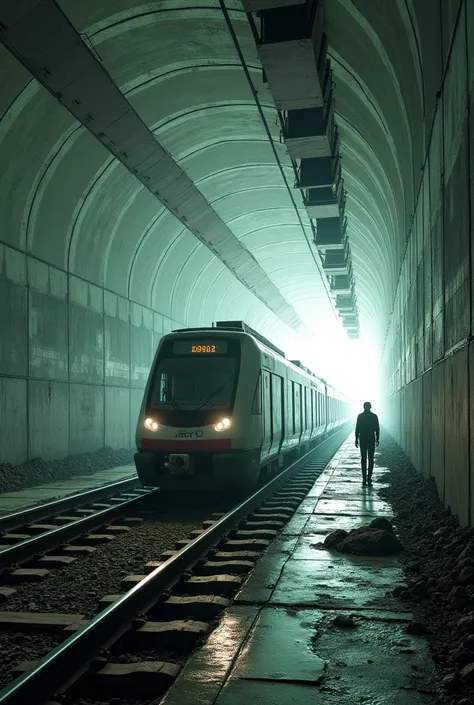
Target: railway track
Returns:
[[30, 535], [171, 607]]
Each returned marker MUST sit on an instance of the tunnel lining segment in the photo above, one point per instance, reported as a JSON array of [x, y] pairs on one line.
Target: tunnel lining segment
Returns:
[[107, 114]]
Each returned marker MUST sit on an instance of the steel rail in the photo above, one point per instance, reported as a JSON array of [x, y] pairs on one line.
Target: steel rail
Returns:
[[22, 551], [41, 511], [62, 666]]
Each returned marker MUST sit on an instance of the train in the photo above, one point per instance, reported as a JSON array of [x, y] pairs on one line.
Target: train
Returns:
[[223, 408]]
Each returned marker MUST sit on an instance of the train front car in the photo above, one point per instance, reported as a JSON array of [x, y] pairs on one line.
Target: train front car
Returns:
[[195, 430]]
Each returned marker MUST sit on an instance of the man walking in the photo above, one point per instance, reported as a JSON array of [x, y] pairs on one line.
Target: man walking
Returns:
[[367, 434]]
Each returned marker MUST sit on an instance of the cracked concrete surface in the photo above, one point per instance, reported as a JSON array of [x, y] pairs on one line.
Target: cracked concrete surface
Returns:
[[278, 644]]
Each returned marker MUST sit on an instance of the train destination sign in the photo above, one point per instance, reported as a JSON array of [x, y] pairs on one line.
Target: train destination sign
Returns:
[[200, 347]]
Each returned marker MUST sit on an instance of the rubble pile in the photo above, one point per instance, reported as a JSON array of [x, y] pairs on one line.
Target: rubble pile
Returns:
[[374, 539], [438, 559], [38, 471]]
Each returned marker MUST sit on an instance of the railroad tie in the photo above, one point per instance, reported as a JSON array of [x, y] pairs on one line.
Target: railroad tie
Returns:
[[201, 607], [24, 575], [145, 679], [211, 584], [181, 635]]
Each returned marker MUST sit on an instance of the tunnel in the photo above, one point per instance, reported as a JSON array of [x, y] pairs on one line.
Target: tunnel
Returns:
[[154, 177]]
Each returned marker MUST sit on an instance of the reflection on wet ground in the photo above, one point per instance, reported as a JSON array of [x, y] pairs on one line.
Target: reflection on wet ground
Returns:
[[279, 644]]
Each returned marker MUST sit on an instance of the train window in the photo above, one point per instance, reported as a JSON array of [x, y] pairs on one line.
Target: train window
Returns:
[[191, 383], [163, 386], [277, 407], [290, 409], [305, 409], [297, 408], [257, 397], [267, 411]]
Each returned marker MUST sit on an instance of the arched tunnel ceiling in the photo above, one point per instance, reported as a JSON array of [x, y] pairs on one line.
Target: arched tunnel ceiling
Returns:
[[70, 202]]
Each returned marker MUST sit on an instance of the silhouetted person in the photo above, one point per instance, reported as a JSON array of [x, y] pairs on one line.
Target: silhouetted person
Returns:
[[367, 434]]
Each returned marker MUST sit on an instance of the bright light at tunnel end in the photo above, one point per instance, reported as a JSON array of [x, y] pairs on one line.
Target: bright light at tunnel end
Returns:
[[351, 366]]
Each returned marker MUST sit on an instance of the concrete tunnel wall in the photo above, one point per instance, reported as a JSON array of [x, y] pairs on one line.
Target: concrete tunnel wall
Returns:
[[74, 360], [428, 359]]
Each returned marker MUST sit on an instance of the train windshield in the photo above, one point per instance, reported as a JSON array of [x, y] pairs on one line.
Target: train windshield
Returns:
[[194, 383]]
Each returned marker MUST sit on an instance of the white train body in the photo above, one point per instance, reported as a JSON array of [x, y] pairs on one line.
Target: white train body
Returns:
[[222, 406]]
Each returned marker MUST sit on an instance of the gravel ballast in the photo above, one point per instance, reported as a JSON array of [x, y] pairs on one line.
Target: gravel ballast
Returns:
[[79, 587], [38, 471], [438, 559]]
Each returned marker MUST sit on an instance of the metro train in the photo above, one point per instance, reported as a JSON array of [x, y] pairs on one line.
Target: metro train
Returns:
[[223, 408]]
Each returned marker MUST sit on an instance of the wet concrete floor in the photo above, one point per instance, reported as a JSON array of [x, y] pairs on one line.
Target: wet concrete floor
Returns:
[[278, 643]]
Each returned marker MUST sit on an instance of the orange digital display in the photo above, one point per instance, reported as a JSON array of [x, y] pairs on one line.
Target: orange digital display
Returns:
[[204, 348]]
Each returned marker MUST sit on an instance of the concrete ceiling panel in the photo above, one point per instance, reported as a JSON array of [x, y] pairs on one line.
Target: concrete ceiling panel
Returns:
[[229, 154], [30, 132], [70, 203]]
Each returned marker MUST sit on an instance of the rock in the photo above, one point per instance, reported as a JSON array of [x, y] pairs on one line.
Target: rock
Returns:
[[458, 592], [466, 624], [382, 523], [375, 542], [97, 663], [465, 563], [467, 674], [466, 576], [335, 538], [462, 657], [421, 589], [468, 642], [345, 622], [413, 567], [396, 592], [451, 681], [416, 628], [443, 531]]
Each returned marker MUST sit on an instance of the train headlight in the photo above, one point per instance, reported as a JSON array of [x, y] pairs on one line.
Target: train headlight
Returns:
[[151, 424], [223, 425]]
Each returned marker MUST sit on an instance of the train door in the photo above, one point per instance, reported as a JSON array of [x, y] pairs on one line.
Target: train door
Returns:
[[290, 418], [267, 415], [297, 409], [306, 413], [309, 405], [303, 413], [277, 414]]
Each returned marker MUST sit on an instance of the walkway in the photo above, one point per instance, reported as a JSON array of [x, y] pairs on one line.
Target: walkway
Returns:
[[15, 501], [278, 643]]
